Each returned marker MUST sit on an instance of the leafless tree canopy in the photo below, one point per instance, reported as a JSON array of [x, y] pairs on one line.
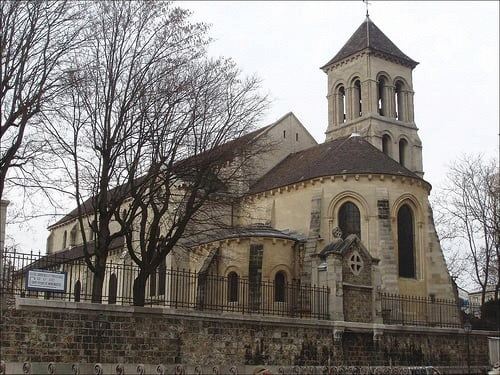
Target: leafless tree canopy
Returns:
[[468, 212], [35, 39], [140, 127]]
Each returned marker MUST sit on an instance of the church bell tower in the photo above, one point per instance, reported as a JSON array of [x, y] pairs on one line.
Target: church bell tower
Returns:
[[370, 92]]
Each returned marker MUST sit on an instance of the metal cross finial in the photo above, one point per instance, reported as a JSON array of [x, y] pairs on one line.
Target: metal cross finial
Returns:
[[367, 4]]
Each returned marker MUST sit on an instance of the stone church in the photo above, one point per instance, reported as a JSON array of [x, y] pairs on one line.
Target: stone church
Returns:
[[351, 212]]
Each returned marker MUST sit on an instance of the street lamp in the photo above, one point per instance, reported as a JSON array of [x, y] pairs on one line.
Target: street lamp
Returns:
[[467, 329]]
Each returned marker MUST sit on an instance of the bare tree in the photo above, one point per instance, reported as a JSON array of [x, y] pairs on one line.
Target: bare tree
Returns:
[[469, 206], [142, 96], [35, 39], [187, 171]]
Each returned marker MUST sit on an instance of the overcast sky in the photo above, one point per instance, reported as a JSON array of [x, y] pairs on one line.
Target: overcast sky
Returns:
[[456, 83]]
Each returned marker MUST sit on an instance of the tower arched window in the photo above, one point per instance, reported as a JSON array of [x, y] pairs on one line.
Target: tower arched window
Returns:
[[232, 287], [399, 101], [77, 290], [341, 105], [386, 144], [65, 239], [112, 289], [403, 152], [406, 242], [382, 96], [279, 287], [357, 101], [349, 220]]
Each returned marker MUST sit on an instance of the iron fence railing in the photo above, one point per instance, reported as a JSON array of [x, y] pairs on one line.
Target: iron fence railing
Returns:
[[170, 287], [420, 311]]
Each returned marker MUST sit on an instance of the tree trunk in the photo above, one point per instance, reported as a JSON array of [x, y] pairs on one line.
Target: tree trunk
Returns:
[[98, 280], [140, 289]]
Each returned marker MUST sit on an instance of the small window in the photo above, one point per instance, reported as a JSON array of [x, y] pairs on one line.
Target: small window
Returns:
[[65, 239], [152, 284], [232, 287], [77, 290], [296, 137], [72, 235], [386, 144], [279, 287], [399, 101], [403, 152], [349, 220], [112, 289], [284, 133], [382, 82], [358, 103], [162, 277], [341, 105]]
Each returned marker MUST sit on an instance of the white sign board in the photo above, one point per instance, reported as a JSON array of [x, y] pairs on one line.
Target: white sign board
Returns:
[[46, 281]]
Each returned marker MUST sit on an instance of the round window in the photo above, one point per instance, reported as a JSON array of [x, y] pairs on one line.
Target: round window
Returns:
[[356, 263]]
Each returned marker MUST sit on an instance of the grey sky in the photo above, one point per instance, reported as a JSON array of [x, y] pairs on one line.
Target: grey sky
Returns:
[[284, 43]]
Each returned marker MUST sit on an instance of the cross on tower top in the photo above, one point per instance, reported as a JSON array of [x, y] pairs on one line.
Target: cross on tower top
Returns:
[[367, 4]]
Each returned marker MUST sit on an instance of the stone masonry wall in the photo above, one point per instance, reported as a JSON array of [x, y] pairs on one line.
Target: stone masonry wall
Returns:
[[51, 331], [358, 305]]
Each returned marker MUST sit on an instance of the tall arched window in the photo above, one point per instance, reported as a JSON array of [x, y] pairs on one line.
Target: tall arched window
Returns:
[[279, 287], [403, 152], [112, 289], [77, 290], [232, 287], [406, 247], [341, 105], [349, 220], [386, 144], [399, 101], [65, 239], [358, 103]]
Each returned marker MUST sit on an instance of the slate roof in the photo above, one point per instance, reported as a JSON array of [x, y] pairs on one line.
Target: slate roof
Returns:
[[368, 35], [223, 152], [255, 230], [352, 155], [71, 254]]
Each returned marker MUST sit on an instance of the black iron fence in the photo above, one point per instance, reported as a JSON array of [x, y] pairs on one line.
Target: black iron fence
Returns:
[[186, 289], [170, 287], [420, 311]]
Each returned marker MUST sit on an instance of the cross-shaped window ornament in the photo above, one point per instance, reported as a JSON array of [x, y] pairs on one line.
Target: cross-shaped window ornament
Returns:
[[355, 263]]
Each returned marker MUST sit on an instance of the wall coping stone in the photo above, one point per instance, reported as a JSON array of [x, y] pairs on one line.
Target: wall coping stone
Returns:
[[39, 304]]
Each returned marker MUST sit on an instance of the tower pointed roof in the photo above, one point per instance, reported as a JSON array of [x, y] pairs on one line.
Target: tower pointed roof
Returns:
[[368, 35]]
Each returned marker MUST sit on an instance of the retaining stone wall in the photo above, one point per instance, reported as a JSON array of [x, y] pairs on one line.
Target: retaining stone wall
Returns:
[[58, 332]]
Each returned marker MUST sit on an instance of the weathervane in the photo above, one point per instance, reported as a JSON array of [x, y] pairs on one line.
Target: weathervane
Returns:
[[367, 4]]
